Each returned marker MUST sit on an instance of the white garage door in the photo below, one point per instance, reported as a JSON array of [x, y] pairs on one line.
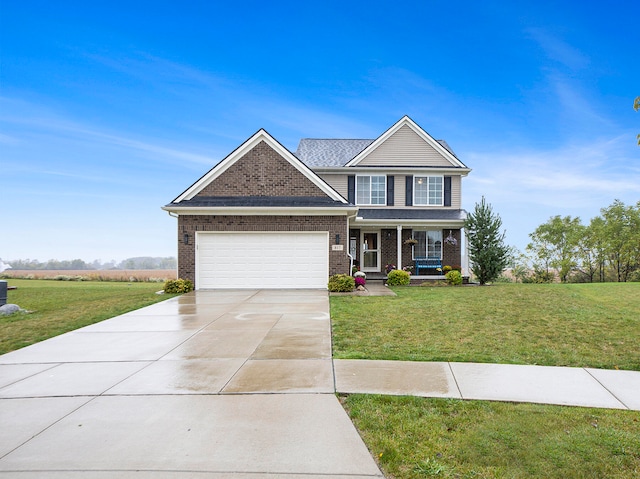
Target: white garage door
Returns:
[[262, 260]]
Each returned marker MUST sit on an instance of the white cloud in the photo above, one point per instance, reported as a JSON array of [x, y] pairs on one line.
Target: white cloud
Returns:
[[559, 50], [28, 120], [528, 187]]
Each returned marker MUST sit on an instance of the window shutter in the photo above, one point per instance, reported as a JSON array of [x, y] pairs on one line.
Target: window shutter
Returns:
[[351, 189], [390, 187], [447, 191], [409, 192]]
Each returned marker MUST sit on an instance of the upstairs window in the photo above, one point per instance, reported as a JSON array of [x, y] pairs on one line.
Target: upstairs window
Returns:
[[371, 190], [428, 190]]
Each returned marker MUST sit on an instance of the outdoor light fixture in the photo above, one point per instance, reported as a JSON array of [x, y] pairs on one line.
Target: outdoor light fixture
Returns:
[[185, 238], [337, 239]]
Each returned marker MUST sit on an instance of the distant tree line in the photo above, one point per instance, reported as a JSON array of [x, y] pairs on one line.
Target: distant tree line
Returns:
[[142, 262], [607, 249]]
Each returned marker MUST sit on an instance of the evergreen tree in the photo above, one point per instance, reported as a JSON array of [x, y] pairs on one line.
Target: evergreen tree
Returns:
[[488, 254]]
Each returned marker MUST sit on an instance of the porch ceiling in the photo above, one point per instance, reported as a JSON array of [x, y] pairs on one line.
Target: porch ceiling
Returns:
[[392, 217]]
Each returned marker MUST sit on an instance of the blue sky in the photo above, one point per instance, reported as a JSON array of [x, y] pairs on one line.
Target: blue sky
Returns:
[[109, 110]]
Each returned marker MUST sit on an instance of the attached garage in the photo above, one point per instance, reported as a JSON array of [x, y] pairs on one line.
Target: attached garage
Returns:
[[262, 260]]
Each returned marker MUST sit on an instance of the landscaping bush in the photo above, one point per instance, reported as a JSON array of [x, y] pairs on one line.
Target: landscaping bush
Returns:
[[454, 277], [178, 286], [540, 276], [360, 281], [341, 283], [398, 277]]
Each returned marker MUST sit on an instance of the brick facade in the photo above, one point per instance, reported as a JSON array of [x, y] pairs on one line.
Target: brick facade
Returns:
[[261, 172], [388, 240], [190, 224], [452, 254]]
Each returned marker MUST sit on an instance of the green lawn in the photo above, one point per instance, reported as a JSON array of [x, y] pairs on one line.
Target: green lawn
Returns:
[[61, 306], [594, 325], [447, 438]]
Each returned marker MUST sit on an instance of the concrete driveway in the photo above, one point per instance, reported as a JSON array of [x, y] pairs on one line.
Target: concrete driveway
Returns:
[[210, 384]]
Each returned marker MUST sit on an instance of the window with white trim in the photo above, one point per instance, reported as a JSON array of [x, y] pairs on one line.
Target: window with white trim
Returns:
[[371, 190], [429, 244], [428, 190]]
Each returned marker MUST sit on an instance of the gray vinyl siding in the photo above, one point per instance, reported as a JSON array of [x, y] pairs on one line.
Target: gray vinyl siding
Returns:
[[337, 182], [456, 192], [405, 148], [400, 191]]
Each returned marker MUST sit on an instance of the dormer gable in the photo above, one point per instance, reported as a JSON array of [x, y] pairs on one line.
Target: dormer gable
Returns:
[[406, 144]]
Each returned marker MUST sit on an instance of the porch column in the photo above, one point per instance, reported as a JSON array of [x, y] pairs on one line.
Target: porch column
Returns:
[[465, 253], [399, 247]]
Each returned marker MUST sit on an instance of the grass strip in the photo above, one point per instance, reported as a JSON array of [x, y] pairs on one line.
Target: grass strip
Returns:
[[447, 438], [61, 306]]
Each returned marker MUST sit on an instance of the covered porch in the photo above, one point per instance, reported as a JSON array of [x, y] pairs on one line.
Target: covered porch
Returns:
[[423, 243]]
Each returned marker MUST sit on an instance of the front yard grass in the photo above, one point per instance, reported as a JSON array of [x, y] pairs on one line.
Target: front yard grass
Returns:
[[582, 325], [446, 438], [61, 306]]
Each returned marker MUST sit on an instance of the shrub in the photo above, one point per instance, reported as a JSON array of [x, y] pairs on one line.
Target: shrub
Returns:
[[397, 277], [453, 277], [446, 269], [540, 276], [341, 283], [503, 278], [360, 281], [178, 286], [634, 276], [66, 277]]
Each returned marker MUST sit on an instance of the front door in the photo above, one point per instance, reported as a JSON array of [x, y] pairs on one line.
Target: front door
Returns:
[[370, 259]]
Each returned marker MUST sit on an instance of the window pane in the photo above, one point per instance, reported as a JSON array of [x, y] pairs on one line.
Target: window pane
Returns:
[[420, 249], [435, 190], [378, 190], [434, 244], [371, 190], [363, 190], [420, 188]]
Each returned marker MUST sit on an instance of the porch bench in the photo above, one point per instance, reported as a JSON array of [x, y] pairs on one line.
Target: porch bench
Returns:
[[428, 263]]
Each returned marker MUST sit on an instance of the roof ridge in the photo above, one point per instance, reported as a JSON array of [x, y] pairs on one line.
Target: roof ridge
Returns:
[[349, 139]]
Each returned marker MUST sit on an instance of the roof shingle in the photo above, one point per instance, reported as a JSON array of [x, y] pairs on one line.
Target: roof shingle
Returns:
[[319, 152]]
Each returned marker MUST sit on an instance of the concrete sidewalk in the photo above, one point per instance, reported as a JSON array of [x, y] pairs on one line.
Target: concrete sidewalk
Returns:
[[495, 382]]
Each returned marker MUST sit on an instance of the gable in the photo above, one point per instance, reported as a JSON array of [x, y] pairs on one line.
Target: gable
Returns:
[[260, 167], [405, 144], [405, 148], [261, 172]]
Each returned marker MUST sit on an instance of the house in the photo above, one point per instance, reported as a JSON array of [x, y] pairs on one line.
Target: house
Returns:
[[265, 217]]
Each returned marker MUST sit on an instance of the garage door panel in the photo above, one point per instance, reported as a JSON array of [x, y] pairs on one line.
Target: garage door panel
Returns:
[[262, 260]]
